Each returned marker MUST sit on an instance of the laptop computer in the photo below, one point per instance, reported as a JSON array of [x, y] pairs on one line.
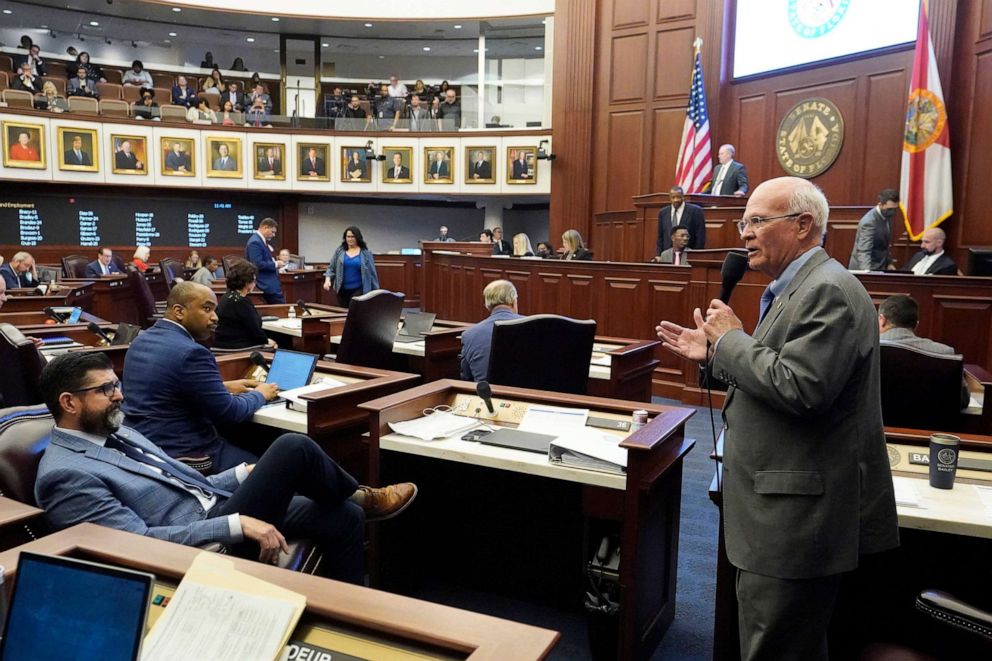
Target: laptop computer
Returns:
[[291, 369], [519, 440], [415, 324], [63, 608]]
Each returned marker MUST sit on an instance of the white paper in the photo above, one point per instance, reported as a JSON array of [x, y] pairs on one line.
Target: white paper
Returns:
[[985, 495], [906, 492], [552, 420], [210, 623], [440, 424], [594, 444]]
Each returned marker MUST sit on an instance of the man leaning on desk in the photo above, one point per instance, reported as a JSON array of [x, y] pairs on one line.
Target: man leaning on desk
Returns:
[[500, 298], [95, 470]]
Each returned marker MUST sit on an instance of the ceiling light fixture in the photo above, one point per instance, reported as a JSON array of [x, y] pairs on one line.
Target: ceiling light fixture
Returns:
[[458, 27], [427, 48], [324, 45], [176, 9], [8, 12], [382, 57], [538, 48], [275, 19], [368, 25], [95, 23], [250, 40], [173, 34]]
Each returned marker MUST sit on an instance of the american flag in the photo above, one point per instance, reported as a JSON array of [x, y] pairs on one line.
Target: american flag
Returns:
[[694, 166]]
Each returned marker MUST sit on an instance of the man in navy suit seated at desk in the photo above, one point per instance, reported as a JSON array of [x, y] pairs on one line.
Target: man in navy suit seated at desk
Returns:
[[103, 265], [500, 298], [175, 394], [94, 470]]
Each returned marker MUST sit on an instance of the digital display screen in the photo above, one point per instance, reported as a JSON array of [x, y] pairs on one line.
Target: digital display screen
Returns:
[[291, 369], [777, 34], [90, 221]]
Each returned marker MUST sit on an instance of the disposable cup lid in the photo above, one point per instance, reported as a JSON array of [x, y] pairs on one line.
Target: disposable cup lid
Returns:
[[945, 439]]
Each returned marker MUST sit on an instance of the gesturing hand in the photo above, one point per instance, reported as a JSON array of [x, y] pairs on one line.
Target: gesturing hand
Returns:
[[689, 343], [270, 540]]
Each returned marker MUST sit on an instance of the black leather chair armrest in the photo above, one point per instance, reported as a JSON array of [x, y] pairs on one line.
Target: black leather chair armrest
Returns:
[[949, 609]]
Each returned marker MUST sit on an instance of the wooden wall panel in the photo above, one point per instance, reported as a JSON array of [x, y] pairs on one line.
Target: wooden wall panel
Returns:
[[963, 322], [669, 10], [579, 295], [752, 133], [666, 136], [985, 23], [630, 13], [626, 133], [627, 83], [675, 47], [976, 218], [884, 122]]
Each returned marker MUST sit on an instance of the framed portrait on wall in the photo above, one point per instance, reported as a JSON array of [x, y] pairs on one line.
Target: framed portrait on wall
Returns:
[[312, 157], [480, 165], [224, 157], [521, 165], [178, 157], [78, 149], [355, 167], [23, 145], [439, 165], [130, 154], [398, 168], [269, 160]]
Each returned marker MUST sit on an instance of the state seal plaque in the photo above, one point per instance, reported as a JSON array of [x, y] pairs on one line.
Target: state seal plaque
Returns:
[[810, 138]]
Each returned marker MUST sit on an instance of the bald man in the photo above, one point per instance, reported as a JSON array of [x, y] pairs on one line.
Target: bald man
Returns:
[[932, 260], [807, 489], [19, 272]]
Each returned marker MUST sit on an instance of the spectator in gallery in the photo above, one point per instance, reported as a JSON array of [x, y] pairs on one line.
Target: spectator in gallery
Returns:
[[208, 61], [239, 325], [450, 113], [202, 112], [206, 272], [500, 245], [522, 246], [351, 271], [93, 72], [177, 160], [354, 111], [228, 115], [193, 260], [419, 117], [442, 235], [270, 164], [235, 96], [486, 236], [334, 106], [23, 150], [50, 99], [546, 251], [238, 65], [397, 90], [182, 94], [254, 81], [260, 106], [82, 85], [214, 82], [103, 264], [140, 258], [147, 108], [136, 76], [20, 272], [387, 109], [435, 112], [574, 247], [26, 81], [287, 261], [442, 90], [419, 88], [33, 60]]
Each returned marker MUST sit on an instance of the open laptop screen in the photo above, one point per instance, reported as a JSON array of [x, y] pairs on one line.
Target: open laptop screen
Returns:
[[291, 369], [72, 609]]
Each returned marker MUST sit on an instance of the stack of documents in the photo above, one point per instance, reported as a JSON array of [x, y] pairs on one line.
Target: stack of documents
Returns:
[[221, 614], [294, 398], [589, 449], [439, 424]]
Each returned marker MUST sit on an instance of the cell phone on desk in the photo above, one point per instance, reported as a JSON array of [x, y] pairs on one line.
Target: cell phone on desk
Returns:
[[476, 435], [74, 316]]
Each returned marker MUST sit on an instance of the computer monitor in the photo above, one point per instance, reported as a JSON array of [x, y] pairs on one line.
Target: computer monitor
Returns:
[[980, 261], [64, 608], [291, 369]]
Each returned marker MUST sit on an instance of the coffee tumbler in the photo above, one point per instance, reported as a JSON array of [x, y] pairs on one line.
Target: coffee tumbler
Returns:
[[943, 460]]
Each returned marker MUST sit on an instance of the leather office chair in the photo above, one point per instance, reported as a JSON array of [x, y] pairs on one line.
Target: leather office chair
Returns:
[[169, 272], [74, 266], [228, 260], [148, 314], [520, 348], [920, 389], [22, 366], [370, 329], [24, 433]]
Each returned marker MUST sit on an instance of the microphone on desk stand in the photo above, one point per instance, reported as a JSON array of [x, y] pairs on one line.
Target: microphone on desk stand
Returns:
[[93, 328], [258, 360], [52, 314], [306, 308], [483, 390]]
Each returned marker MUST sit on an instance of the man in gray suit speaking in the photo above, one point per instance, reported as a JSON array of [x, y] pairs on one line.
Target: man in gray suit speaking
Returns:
[[807, 487]]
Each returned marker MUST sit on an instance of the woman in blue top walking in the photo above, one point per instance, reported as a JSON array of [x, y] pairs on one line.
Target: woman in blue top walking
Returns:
[[352, 269]]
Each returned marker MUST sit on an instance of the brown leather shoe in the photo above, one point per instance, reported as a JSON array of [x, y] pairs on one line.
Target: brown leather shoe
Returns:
[[386, 502]]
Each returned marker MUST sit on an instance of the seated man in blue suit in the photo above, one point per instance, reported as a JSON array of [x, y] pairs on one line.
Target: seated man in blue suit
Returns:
[[103, 265], [19, 273], [94, 470], [500, 298], [176, 397], [258, 251]]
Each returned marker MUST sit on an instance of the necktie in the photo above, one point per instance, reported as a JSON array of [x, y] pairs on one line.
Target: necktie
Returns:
[[115, 442], [766, 302], [719, 180], [678, 256], [106, 270], [270, 164]]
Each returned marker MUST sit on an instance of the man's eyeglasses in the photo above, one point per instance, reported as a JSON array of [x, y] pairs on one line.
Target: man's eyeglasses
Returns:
[[757, 221], [107, 389]]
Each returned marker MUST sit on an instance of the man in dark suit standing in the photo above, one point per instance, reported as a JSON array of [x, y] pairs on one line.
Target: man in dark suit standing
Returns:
[[500, 245], [270, 164], [932, 260], [807, 488], [258, 251], [103, 265], [177, 160], [680, 214], [313, 165], [730, 177], [871, 242], [125, 159], [76, 155], [481, 168]]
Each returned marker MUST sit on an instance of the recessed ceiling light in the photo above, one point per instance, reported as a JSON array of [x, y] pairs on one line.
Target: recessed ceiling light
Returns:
[[275, 50], [324, 45], [176, 9], [8, 12], [95, 23], [173, 34], [475, 50], [538, 48], [458, 27], [250, 40], [382, 57], [167, 41], [275, 19], [368, 25], [427, 48]]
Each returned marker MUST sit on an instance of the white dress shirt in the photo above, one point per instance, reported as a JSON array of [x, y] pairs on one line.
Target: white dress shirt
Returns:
[[921, 266]]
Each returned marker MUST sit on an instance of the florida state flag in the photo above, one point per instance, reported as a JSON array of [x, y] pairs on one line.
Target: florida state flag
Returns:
[[925, 186]]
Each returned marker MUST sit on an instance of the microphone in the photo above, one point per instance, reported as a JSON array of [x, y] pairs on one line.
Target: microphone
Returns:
[[93, 328], [306, 308], [52, 314], [258, 360], [483, 390], [733, 269]]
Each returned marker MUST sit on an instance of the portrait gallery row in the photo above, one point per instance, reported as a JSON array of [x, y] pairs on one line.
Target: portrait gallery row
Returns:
[[79, 150]]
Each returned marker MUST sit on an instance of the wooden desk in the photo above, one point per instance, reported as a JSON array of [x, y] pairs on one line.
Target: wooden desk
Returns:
[[13, 517], [359, 611], [89, 340], [308, 332], [69, 295], [302, 285], [36, 318], [642, 507], [113, 298]]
